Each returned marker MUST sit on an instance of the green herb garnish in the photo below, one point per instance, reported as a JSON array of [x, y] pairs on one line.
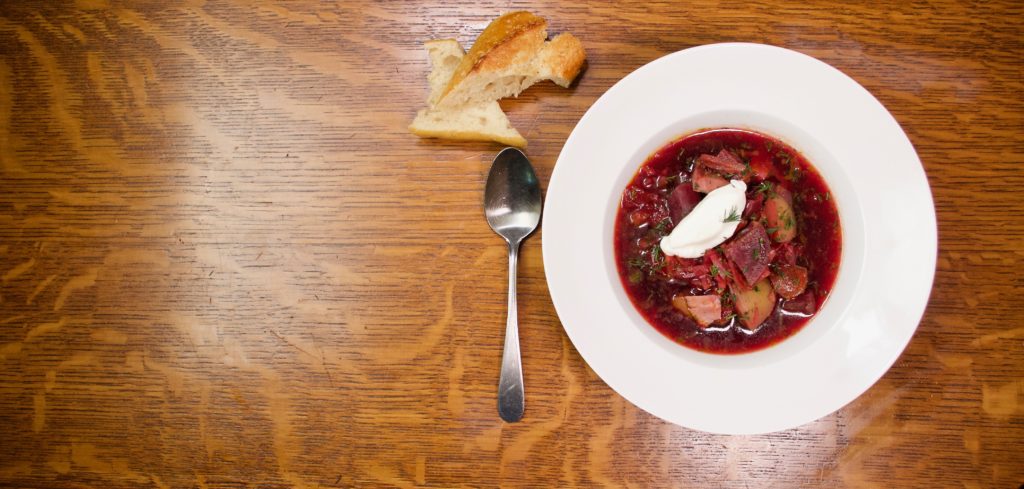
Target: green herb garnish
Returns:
[[784, 156], [793, 174], [657, 258], [661, 229], [637, 262], [787, 220], [732, 216]]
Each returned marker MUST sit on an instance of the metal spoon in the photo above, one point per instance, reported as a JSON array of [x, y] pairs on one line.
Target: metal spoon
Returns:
[[512, 205]]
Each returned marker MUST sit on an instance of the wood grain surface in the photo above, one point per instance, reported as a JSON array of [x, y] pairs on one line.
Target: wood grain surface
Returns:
[[225, 263]]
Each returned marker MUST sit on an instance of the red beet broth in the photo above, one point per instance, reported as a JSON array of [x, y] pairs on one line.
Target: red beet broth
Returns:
[[663, 191]]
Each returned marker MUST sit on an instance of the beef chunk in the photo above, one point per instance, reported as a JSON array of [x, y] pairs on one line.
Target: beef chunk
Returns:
[[751, 251]]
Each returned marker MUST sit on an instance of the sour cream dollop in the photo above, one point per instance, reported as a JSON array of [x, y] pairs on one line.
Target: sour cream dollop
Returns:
[[713, 220]]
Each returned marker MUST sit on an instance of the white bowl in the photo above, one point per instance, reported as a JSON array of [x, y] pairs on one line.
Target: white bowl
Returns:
[[886, 213]]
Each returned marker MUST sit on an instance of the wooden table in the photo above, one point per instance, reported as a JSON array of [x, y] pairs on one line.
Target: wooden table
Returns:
[[225, 263]]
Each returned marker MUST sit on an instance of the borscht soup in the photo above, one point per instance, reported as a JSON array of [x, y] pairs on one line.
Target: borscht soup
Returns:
[[727, 240]]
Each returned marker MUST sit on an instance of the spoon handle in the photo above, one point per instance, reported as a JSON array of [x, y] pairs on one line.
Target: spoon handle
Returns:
[[511, 396]]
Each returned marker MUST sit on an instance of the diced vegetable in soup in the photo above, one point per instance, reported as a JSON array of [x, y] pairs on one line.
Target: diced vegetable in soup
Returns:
[[767, 279]]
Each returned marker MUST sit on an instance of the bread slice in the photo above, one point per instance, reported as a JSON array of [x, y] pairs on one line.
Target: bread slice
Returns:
[[508, 57], [476, 122], [482, 121]]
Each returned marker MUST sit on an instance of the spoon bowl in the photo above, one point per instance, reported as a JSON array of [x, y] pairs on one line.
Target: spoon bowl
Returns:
[[512, 201]]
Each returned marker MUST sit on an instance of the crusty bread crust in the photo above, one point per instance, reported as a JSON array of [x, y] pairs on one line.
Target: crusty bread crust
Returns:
[[469, 135], [562, 58], [510, 39]]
